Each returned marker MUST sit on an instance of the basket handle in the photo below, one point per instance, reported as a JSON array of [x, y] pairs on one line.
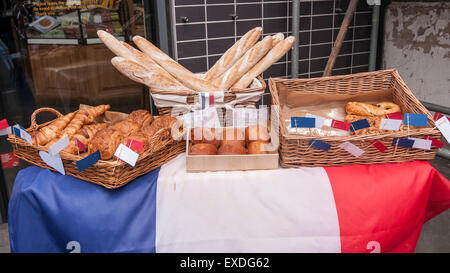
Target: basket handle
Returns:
[[40, 110]]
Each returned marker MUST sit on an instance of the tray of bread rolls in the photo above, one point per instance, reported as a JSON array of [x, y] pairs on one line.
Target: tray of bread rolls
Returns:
[[338, 100], [234, 79], [231, 149], [91, 129]]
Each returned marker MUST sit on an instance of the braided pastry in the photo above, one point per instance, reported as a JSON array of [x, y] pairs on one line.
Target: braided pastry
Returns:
[[374, 122], [365, 109]]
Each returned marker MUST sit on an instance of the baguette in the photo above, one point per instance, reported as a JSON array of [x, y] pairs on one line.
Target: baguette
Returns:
[[126, 51], [138, 73], [233, 54], [272, 56], [245, 63], [277, 38], [183, 75]]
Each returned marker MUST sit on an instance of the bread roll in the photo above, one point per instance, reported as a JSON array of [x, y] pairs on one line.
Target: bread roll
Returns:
[[277, 38], [233, 54], [271, 57], [138, 73], [254, 147], [233, 136], [183, 75], [204, 135], [244, 64], [231, 149], [257, 133], [203, 149]]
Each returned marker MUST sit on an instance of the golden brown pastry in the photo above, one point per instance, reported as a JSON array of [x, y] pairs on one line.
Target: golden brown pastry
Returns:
[[51, 131], [231, 149], [365, 109], [80, 118], [254, 147], [106, 141], [158, 123], [257, 133], [96, 111], [204, 135], [141, 117], [233, 136], [85, 135], [126, 127], [203, 149], [374, 122], [138, 136]]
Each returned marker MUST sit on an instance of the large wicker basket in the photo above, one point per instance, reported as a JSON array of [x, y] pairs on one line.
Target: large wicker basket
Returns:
[[109, 174], [295, 149], [186, 99]]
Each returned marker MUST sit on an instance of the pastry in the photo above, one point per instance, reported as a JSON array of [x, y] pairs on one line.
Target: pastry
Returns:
[[204, 135], [126, 127], [271, 57], [146, 76], [80, 118], [244, 64], [182, 74], [141, 117], [158, 123], [94, 112], [374, 121], [233, 54], [85, 135], [366, 109], [203, 149], [138, 136], [255, 147], [231, 149], [51, 131], [106, 141]]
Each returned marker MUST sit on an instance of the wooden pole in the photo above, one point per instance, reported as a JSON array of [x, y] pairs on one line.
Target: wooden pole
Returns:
[[340, 37]]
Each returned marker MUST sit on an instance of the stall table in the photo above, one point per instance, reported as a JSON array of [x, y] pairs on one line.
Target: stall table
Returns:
[[360, 208]]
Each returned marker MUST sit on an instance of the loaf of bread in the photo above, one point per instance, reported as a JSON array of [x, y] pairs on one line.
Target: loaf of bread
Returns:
[[277, 38], [244, 64], [233, 54], [138, 73], [231, 149], [271, 57], [203, 149], [182, 74]]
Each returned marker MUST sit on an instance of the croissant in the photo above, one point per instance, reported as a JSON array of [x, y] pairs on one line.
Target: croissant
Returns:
[[106, 141], [74, 125], [126, 127], [142, 117], [96, 111], [49, 132], [85, 135]]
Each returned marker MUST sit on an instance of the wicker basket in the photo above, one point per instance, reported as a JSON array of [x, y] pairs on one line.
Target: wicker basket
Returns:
[[109, 174], [295, 150], [188, 98]]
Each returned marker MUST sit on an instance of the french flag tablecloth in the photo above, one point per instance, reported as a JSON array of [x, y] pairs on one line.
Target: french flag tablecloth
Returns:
[[378, 208]]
